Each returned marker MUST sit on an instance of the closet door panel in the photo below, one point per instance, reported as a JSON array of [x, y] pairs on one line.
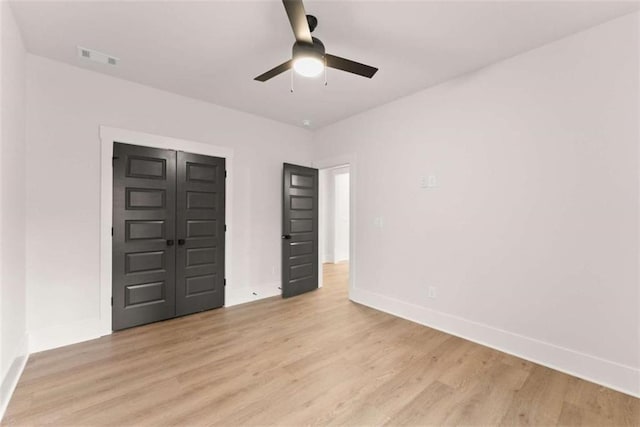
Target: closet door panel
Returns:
[[143, 246], [200, 217]]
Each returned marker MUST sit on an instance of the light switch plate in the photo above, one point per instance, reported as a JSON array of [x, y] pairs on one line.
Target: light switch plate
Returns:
[[428, 181]]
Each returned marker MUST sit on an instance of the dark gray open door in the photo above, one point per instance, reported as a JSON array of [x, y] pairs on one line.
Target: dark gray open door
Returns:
[[200, 233], [299, 230], [143, 231]]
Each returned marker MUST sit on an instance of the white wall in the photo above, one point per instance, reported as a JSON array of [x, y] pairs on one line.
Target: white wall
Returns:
[[531, 234], [65, 107], [13, 341]]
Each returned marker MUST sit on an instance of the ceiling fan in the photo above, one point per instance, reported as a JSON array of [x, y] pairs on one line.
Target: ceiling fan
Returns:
[[309, 58]]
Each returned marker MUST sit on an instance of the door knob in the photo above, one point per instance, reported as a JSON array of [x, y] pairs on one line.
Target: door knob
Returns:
[[286, 236], [181, 242], [169, 242]]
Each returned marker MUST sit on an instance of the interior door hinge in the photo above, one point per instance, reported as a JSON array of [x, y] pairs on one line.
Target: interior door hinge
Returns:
[[111, 301], [225, 227], [225, 173], [112, 231], [225, 283]]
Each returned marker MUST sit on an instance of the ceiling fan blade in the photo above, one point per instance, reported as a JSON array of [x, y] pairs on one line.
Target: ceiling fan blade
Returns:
[[350, 66], [274, 71], [298, 19]]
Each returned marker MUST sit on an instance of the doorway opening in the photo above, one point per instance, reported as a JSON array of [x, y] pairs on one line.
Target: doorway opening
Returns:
[[334, 227]]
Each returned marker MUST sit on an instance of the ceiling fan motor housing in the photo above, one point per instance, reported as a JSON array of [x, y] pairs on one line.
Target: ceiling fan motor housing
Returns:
[[312, 21], [315, 50]]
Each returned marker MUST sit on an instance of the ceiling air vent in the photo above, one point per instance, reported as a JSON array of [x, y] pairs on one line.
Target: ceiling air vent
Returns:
[[96, 56]]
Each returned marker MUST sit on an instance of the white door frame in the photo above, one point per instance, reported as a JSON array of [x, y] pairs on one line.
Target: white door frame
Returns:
[[330, 163], [109, 135]]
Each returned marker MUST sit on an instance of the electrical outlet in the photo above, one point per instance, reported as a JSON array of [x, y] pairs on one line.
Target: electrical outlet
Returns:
[[432, 292]]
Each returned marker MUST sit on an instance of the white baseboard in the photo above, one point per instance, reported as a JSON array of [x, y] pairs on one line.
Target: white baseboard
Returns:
[[251, 293], [84, 330], [328, 259], [66, 334], [11, 377], [625, 379]]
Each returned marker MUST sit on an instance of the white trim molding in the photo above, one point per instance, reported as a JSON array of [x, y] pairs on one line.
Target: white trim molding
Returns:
[[13, 374], [109, 135], [252, 293], [625, 379]]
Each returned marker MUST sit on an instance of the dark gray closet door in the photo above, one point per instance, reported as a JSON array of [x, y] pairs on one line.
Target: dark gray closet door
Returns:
[[200, 233], [299, 230], [143, 245]]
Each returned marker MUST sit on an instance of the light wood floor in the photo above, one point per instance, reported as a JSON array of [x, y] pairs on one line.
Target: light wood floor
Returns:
[[312, 359]]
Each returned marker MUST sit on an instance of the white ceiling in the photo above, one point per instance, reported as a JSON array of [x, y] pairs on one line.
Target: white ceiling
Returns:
[[212, 50]]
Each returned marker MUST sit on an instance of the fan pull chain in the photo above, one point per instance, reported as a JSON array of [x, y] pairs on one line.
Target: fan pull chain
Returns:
[[292, 73], [325, 71]]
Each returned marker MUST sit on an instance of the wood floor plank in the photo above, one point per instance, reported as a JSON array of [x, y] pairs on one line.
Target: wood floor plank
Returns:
[[316, 359], [602, 404]]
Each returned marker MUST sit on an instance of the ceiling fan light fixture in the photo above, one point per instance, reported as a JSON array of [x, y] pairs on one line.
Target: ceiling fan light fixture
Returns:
[[309, 58], [308, 66]]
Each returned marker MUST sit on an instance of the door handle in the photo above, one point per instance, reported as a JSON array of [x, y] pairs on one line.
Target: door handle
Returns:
[[286, 236], [169, 242], [181, 242]]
